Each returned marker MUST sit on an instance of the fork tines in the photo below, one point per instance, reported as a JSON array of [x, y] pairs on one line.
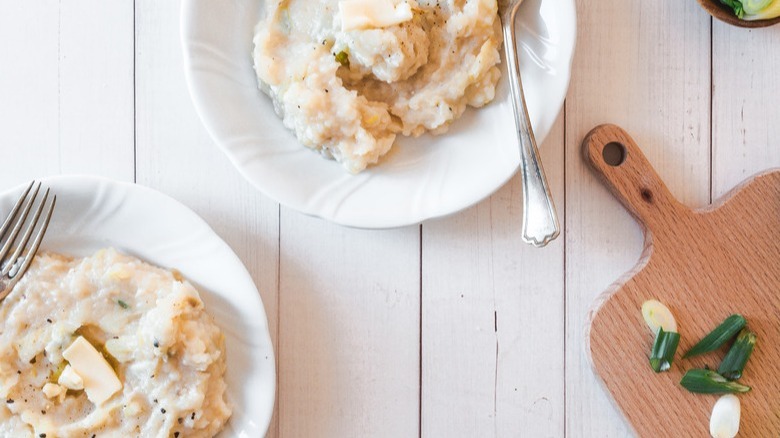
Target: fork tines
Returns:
[[18, 229]]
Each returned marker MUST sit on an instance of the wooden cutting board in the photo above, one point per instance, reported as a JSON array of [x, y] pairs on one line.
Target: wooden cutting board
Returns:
[[704, 265]]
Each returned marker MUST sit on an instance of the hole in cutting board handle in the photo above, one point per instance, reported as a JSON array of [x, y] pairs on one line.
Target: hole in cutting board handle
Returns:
[[614, 154]]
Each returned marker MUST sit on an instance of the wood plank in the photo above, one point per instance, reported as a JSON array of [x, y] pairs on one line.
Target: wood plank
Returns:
[[349, 316], [66, 88], [96, 87], [627, 72], [28, 89], [746, 104], [176, 155], [492, 318]]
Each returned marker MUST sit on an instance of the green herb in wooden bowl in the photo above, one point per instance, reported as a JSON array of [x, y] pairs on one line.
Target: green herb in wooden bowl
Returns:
[[744, 13]]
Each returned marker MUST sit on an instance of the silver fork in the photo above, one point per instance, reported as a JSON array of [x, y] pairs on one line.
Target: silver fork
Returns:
[[540, 221], [13, 267]]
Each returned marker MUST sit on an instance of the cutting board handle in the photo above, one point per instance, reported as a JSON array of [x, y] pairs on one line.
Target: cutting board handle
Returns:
[[625, 170]]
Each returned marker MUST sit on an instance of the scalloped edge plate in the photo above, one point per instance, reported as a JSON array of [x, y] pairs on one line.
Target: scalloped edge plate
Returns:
[[94, 213], [422, 178]]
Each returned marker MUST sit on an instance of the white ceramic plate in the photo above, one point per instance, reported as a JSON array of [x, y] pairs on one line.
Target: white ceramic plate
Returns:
[[421, 178], [94, 213]]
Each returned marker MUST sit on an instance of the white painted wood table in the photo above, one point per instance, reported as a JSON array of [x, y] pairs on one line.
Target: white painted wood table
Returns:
[[454, 328]]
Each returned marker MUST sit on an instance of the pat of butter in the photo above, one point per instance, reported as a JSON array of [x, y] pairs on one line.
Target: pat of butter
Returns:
[[99, 379], [372, 14], [70, 379], [52, 390]]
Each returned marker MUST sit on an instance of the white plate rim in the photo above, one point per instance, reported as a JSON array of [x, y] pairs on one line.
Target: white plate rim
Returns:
[[543, 122], [255, 418]]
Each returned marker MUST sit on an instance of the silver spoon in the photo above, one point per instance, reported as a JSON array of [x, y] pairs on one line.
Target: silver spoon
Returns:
[[540, 221]]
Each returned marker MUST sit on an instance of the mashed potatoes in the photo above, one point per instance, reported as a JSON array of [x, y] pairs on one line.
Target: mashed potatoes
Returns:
[[349, 90], [150, 326]]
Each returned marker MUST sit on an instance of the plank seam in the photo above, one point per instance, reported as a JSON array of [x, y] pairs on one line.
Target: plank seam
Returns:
[[420, 335], [135, 97], [59, 86], [712, 108], [495, 320], [565, 277], [278, 354], [420, 358]]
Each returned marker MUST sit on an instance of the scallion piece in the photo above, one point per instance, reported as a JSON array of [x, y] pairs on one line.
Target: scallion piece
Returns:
[[734, 363], [122, 304], [657, 315], [722, 334], [664, 347], [342, 58], [709, 382]]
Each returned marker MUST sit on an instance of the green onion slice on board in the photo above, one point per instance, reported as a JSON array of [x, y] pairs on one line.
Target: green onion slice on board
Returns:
[[722, 334], [664, 347], [710, 382], [734, 363]]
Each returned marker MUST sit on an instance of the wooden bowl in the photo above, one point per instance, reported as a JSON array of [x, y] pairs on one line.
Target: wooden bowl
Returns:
[[723, 13]]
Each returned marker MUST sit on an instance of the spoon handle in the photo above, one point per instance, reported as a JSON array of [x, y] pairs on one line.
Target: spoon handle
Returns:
[[540, 220]]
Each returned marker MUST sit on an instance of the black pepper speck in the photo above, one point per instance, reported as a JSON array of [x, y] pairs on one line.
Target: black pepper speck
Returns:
[[162, 410]]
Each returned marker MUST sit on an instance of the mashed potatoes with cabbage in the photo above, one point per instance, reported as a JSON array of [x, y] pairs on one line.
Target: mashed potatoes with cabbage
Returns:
[[348, 76], [150, 332]]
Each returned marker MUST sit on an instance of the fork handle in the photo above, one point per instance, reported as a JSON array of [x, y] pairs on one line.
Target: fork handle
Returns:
[[540, 220]]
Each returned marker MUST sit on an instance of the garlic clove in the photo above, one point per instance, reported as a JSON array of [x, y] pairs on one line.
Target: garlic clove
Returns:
[[724, 422]]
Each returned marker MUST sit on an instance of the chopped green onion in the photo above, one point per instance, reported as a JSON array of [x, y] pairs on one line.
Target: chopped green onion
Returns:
[[722, 334], [710, 382], [342, 58], [732, 365], [122, 304], [664, 347], [657, 315]]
